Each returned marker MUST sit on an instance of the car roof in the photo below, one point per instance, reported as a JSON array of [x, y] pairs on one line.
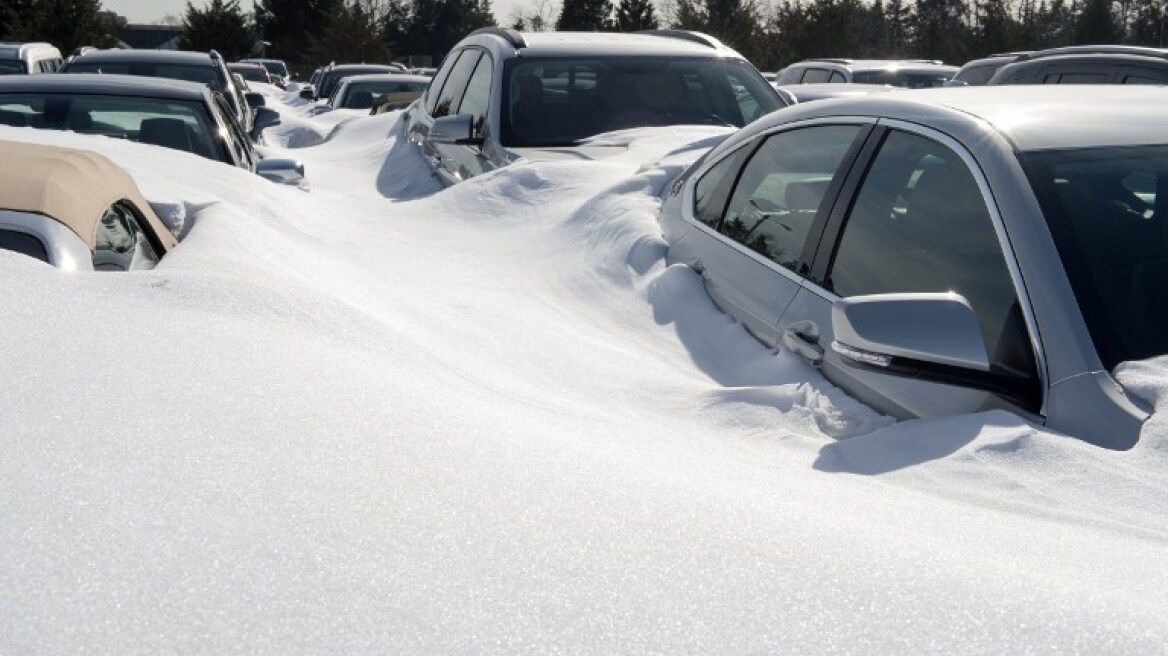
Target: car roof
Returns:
[[72, 186], [162, 56], [91, 83], [824, 90], [1032, 117], [387, 77], [880, 64], [574, 44], [344, 68]]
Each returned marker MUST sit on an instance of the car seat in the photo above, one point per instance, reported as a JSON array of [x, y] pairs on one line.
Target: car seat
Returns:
[[168, 132]]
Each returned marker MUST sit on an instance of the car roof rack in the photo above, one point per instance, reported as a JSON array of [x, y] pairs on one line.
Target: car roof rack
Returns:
[[686, 35], [830, 60], [1160, 53], [513, 38]]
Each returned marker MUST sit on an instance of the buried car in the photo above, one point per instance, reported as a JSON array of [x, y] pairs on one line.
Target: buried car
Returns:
[[501, 95], [76, 210], [185, 116], [947, 251]]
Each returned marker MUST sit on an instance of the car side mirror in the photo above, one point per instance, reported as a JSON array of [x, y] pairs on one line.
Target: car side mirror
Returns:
[[282, 171], [255, 99], [307, 93], [457, 129], [933, 337]]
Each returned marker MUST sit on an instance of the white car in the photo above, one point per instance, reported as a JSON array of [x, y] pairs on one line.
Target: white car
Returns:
[[501, 95]]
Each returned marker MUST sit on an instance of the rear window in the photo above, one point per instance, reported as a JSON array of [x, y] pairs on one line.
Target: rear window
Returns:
[[189, 72]]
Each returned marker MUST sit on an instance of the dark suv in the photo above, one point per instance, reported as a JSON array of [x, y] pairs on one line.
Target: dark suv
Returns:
[[1087, 65], [208, 68]]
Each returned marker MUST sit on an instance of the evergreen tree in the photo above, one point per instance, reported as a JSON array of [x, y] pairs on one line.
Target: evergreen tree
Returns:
[[66, 24], [350, 35], [1097, 23], [289, 24], [1056, 25], [584, 16], [1147, 23], [939, 30], [221, 26], [737, 23], [635, 15], [898, 21], [996, 29]]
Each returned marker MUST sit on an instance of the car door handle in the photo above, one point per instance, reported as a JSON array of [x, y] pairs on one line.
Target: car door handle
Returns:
[[799, 342], [697, 267]]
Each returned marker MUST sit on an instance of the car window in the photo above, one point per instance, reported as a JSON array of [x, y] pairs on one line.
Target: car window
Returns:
[[451, 94], [1107, 210], [477, 98], [1078, 78], [205, 73], [919, 223], [814, 75], [780, 189], [712, 190], [439, 81], [233, 137], [24, 243], [837, 78], [119, 243]]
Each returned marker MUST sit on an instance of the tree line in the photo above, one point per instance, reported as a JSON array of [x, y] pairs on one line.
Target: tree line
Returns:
[[771, 33]]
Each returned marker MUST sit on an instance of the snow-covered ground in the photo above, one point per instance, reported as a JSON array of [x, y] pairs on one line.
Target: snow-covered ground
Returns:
[[377, 416]]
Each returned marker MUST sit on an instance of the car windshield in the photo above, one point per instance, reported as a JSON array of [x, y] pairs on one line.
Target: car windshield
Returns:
[[275, 68], [1107, 209], [560, 101], [183, 125], [252, 74], [191, 73], [902, 78], [12, 67]]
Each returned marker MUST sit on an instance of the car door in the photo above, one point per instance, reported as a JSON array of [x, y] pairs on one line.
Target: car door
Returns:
[[920, 220], [462, 161], [755, 212], [421, 115]]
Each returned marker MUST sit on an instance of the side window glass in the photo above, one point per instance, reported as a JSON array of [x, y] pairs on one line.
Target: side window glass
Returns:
[[813, 75], [455, 85], [119, 244], [478, 95], [713, 189], [837, 78], [920, 224], [439, 81], [236, 141], [779, 192]]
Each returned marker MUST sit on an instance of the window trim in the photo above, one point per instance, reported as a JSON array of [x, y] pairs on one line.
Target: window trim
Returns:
[[830, 237]]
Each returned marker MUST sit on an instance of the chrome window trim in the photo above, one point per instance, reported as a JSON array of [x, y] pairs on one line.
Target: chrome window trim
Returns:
[[65, 249], [1008, 254], [687, 200]]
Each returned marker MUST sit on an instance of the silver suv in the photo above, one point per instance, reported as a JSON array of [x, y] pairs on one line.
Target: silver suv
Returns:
[[501, 95], [950, 250], [910, 73]]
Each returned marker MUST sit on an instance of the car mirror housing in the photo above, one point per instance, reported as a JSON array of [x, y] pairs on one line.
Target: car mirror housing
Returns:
[[936, 328], [282, 171], [457, 129], [254, 99], [931, 336], [307, 93]]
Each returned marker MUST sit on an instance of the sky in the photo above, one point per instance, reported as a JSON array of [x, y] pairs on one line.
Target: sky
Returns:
[[378, 416]]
